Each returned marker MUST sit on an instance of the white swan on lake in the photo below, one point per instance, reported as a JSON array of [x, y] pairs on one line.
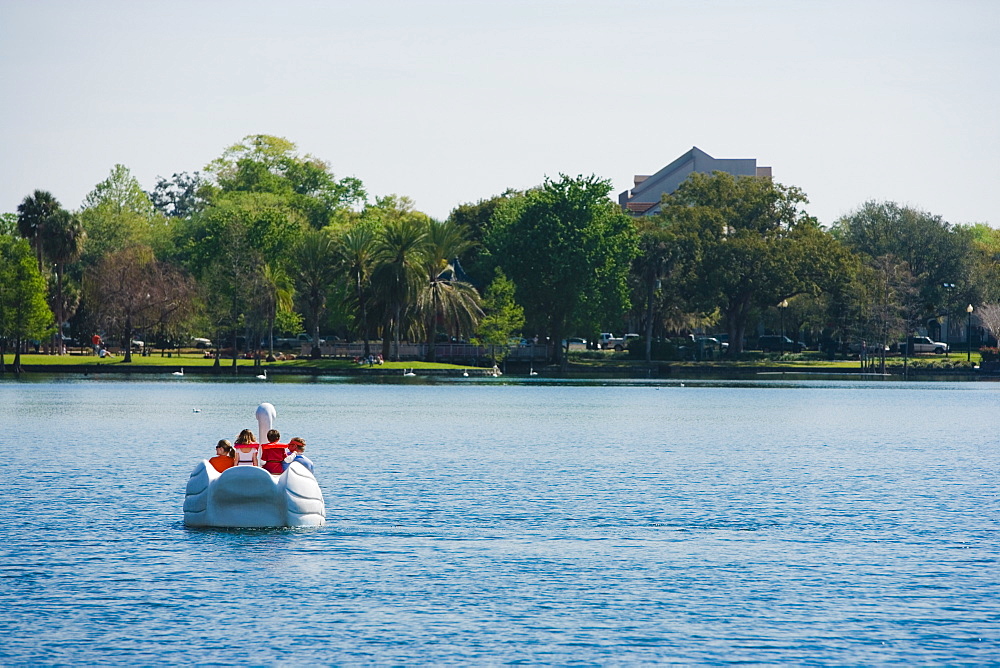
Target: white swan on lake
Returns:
[[179, 373]]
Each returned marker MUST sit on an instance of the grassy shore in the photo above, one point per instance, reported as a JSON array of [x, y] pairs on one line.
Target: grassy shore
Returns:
[[198, 361], [596, 362]]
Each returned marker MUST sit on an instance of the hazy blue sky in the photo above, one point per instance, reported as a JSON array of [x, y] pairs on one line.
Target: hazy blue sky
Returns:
[[450, 102]]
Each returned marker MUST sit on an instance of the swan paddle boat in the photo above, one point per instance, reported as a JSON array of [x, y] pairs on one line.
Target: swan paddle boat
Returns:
[[248, 496]]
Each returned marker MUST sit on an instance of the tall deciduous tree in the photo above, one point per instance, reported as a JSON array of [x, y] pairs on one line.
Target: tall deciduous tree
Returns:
[[567, 247], [750, 245], [476, 262], [503, 317], [24, 313], [264, 163], [938, 255], [117, 213], [131, 290]]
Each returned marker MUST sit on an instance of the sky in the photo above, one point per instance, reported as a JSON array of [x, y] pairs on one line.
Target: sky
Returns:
[[449, 101]]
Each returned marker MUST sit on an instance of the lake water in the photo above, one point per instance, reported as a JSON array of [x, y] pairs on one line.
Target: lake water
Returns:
[[481, 521]]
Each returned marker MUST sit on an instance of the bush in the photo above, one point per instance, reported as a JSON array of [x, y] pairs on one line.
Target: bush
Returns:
[[990, 354]]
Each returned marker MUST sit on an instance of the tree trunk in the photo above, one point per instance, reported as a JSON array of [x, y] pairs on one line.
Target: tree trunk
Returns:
[[61, 315], [236, 353], [128, 340], [270, 341], [650, 295], [316, 353], [364, 315]]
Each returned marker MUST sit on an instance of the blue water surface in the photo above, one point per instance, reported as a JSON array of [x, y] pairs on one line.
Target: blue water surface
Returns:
[[476, 521]]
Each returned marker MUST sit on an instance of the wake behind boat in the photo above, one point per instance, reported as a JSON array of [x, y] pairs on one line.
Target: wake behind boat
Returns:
[[248, 496]]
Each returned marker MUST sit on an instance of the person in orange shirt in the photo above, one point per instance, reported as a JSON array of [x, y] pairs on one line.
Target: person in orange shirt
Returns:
[[225, 456], [273, 453]]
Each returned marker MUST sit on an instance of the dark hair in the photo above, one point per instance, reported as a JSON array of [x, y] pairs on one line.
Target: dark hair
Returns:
[[273, 435], [227, 447]]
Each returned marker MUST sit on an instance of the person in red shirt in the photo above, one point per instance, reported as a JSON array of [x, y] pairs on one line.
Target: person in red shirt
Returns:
[[225, 456], [273, 453]]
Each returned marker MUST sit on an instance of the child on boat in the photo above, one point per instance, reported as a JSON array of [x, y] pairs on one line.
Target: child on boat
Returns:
[[273, 453], [247, 449], [297, 449], [225, 456]]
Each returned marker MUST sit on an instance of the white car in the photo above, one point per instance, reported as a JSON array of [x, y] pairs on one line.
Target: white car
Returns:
[[923, 344]]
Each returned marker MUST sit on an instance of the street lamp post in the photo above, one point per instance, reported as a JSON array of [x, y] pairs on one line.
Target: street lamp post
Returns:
[[968, 334], [781, 309]]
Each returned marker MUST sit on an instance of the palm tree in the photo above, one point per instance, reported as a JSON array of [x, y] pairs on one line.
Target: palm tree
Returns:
[[314, 272], [278, 298], [356, 250], [31, 216], [443, 300], [399, 271], [61, 242]]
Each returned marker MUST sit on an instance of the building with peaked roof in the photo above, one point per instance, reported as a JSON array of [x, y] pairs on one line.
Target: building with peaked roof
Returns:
[[644, 198]]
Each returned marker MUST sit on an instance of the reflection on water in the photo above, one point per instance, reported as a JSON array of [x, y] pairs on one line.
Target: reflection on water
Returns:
[[492, 520]]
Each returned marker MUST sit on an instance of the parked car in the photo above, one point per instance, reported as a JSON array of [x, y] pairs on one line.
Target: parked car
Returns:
[[201, 342], [922, 344], [775, 342], [575, 343], [294, 343]]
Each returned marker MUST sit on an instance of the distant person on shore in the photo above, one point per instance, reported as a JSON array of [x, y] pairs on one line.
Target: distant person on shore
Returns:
[[297, 449], [225, 456], [247, 449], [273, 453]]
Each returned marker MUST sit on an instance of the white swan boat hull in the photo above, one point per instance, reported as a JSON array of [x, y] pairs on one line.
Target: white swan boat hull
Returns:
[[247, 496]]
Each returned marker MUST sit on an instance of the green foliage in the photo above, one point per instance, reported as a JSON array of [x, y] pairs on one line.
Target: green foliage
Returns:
[[267, 164], [24, 313], [568, 248], [180, 196], [315, 263], [932, 251], [8, 224], [445, 303], [117, 213], [31, 216], [503, 317], [477, 263], [258, 223], [748, 245], [399, 273]]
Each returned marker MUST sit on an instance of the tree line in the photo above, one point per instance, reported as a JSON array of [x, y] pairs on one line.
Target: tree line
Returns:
[[267, 241]]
